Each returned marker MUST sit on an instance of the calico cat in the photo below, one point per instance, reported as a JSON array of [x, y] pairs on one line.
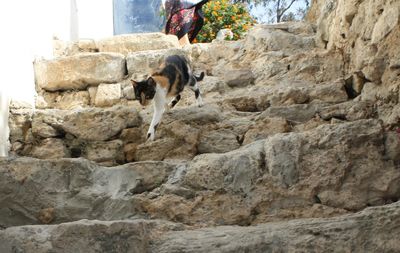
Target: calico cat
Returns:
[[175, 74]]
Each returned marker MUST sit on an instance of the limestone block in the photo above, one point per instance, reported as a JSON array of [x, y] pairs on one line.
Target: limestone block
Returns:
[[264, 128], [132, 135], [239, 78], [373, 230], [392, 145], [218, 141], [129, 151], [62, 100], [64, 48], [92, 93], [19, 122], [50, 148], [147, 62], [129, 43], [79, 71], [76, 188], [72, 100], [108, 94], [263, 38], [236, 170], [105, 151], [99, 124], [351, 111], [386, 22]]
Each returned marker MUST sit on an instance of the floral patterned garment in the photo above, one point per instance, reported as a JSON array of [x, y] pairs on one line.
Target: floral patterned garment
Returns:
[[184, 17]]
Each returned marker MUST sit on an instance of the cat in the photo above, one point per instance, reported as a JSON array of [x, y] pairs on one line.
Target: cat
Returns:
[[174, 75]]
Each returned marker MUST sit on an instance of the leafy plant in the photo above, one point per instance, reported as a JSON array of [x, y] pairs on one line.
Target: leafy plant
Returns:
[[222, 14], [280, 10]]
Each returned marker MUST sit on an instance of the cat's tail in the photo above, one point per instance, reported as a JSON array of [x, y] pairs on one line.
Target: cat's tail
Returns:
[[199, 78]]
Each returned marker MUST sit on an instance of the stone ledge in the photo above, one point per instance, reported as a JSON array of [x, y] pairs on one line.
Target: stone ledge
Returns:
[[128, 43], [80, 71], [372, 230], [74, 188]]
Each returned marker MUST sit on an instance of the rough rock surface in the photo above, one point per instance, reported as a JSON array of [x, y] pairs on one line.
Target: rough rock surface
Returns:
[[122, 44], [128, 43], [364, 33], [300, 121], [74, 188], [107, 94], [372, 230], [78, 72]]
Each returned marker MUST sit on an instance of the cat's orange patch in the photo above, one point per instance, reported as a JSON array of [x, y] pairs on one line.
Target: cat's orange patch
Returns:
[[161, 80]]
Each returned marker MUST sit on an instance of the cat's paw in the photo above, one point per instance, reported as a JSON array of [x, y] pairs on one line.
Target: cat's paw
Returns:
[[150, 136], [200, 103]]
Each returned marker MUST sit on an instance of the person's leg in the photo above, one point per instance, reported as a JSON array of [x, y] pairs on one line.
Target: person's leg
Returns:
[[184, 40], [197, 23]]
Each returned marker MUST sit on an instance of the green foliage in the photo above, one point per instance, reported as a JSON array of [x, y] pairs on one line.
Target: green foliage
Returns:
[[280, 10], [221, 14]]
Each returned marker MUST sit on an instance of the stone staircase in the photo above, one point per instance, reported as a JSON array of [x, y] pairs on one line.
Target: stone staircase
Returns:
[[281, 157]]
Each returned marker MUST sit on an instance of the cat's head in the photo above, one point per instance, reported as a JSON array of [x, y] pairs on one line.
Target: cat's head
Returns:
[[144, 90]]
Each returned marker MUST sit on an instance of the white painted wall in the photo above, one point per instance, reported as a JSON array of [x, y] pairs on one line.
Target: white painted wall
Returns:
[[27, 28], [95, 18], [4, 145]]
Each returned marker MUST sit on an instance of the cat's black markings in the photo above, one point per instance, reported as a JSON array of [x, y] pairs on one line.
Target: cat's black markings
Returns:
[[174, 75]]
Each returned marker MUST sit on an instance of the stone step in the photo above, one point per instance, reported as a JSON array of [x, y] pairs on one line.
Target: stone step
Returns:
[[143, 54], [37, 191], [93, 133], [116, 135], [372, 230], [326, 171], [79, 71], [123, 44], [94, 79], [287, 38]]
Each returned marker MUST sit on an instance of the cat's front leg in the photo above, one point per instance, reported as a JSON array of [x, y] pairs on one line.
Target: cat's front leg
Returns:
[[159, 108]]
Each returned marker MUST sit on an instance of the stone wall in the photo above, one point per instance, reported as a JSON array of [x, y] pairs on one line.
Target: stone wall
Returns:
[[97, 73], [246, 76], [365, 34]]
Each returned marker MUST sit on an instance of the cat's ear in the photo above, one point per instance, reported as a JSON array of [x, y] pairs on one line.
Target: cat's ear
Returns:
[[151, 81], [199, 78], [134, 83]]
